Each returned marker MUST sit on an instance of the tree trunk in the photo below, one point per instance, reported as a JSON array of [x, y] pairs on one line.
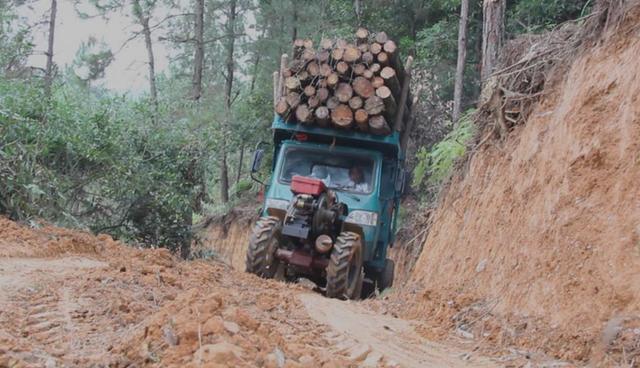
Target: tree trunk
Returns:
[[462, 57], [48, 77], [198, 58], [228, 88], [492, 34], [146, 30], [240, 162]]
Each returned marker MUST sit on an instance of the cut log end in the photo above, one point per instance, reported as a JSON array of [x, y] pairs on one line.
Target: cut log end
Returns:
[[344, 92], [342, 116], [304, 114], [378, 125], [363, 87]]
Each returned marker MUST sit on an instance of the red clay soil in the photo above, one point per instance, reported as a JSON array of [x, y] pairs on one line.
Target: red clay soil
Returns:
[[537, 244], [72, 299]]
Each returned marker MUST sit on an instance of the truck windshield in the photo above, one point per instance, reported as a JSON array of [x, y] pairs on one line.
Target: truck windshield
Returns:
[[351, 173]]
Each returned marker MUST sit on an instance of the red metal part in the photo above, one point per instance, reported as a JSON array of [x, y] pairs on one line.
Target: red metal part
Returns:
[[304, 185], [302, 258]]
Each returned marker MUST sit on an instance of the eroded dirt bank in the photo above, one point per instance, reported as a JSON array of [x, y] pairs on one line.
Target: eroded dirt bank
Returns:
[[70, 299], [537, 244]]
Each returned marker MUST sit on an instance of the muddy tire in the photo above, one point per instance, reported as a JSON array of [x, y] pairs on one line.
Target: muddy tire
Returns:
[[263, 243], [344, 273], [385, 279]]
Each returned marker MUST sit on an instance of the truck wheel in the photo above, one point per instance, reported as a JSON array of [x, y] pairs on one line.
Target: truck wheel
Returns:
[[385, 279], [344, 273], [262, 248]]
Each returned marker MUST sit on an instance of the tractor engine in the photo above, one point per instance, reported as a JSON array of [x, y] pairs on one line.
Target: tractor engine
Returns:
[[314, 214]]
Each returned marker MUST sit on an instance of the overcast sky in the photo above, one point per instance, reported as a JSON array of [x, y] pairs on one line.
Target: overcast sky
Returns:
[[128, 72]]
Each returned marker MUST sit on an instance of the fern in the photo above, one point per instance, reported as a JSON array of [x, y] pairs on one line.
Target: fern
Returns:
[[436, 164]]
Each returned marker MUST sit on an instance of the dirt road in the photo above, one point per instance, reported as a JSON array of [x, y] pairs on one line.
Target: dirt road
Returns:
[[71, 299]]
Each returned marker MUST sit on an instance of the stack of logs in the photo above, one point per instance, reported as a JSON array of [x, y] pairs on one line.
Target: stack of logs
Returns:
[[360, 85]]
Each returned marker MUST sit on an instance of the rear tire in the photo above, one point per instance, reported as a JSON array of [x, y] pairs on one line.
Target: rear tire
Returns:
[[263, 244], [385, 279], [344, 273]]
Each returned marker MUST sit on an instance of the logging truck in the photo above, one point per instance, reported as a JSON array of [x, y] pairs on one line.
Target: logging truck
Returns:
[[331, 204]]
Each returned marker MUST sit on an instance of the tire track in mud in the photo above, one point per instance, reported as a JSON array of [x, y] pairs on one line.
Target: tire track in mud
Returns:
[[367, 337]]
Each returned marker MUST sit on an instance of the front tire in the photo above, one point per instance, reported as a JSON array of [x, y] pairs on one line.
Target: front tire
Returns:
[[263, 244], [344, 273]]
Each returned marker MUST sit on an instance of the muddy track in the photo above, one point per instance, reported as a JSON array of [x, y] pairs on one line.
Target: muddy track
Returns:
[[57, 312]]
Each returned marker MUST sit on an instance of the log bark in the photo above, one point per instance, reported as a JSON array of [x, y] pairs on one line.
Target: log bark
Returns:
[[378, 125], [374, 105], [304, 114], [404, 96], [391, 80], [342, 116], [48, 74], [344, 92], [363, 87], [492, 35], [198, 57], [462, 56], [323, 116]]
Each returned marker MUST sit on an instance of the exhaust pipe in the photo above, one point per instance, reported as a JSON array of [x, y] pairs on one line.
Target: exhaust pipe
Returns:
[[324, 243]]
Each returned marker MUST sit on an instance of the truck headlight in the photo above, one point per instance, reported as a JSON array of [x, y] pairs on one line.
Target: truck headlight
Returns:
[[362, 218], [281, 204]]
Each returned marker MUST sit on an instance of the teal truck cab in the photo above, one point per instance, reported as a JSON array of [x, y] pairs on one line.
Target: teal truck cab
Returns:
[[330, 209]]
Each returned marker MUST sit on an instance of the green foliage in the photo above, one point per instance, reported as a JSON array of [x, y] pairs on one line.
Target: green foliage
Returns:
[[435, 165], [527, 16]]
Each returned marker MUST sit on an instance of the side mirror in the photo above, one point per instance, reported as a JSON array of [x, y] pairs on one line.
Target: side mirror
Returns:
[[257, 160], [258, 155]]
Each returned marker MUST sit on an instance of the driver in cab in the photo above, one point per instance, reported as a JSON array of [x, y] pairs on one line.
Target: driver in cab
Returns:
[[356, 180]]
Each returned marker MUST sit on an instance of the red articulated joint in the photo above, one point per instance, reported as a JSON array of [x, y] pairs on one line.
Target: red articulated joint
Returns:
[[304, 185]]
